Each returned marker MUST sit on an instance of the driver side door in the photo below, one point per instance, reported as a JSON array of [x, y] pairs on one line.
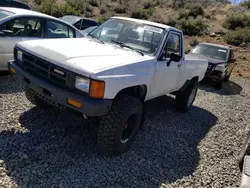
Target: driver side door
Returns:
[[19, 29], [169, 65]]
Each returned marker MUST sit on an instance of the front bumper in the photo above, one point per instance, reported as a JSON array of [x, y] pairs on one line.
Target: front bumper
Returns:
[[58, 97], [214, 76]]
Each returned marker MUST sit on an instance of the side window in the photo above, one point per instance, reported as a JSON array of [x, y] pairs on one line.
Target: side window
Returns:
[[24, 27], [58, 30], [173, 44]]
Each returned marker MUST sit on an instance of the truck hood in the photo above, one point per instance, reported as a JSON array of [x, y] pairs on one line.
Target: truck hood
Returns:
[[83, 56], [210, 59]]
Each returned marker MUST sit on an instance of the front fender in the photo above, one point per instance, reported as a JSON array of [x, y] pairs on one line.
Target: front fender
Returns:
[[121, 78]]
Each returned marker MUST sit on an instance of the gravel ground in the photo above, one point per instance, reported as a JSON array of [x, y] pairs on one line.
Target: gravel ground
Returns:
[[51, 149]]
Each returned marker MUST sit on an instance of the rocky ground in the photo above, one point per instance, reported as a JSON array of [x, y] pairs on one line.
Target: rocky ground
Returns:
[[41, 148]]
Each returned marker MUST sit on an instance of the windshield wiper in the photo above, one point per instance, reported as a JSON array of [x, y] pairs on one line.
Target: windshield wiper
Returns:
[[122, 44], [94, 37]]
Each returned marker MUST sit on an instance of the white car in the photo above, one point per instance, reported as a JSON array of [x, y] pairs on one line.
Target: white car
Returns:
[[110, 74], [21, 25]]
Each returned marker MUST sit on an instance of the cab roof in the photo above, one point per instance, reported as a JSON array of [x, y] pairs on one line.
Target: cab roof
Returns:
[[217, 45], [167, 27]]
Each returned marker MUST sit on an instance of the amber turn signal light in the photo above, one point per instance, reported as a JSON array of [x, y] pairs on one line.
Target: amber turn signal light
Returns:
[[74, 103], [97, 89], [12, 70]]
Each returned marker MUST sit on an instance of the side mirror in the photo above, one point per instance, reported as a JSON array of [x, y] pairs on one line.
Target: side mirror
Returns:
[[173, 57]]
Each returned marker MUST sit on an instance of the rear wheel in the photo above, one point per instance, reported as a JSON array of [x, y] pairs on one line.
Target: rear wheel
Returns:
[[34, 99], [185, 99], [118, 128]]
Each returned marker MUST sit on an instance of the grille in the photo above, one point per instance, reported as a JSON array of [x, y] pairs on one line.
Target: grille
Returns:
[[44, 69]]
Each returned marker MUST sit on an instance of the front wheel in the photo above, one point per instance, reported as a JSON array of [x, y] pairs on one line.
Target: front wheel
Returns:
[[118, 128], [185, 99]]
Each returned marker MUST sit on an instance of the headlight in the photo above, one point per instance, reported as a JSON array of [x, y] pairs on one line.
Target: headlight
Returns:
[[19, 55], [220, 67], [82, 84]]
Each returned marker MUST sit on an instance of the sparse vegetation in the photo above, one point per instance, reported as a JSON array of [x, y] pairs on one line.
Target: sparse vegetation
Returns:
[[192, 26], [236, 20], [238, 37], [190, 16]]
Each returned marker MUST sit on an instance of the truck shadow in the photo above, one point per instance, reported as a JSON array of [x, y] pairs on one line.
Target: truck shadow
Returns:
[[229, 88], [58, 149]]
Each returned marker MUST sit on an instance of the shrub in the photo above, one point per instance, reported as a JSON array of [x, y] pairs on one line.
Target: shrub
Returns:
[[177, 3], [194, 10], [148, 4], [236, 20], [246, 4], [238, 37], [120, 9], [38, 2], [89, 8], [156, 17], [171, 21], [46, 6], [183, 13], [89, 14], [103, 9], [79, 5], [66, 9], [192, 26], [104, 18], [141, 13], [94, 3]]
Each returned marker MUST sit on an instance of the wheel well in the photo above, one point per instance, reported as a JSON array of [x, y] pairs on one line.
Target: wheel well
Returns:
[[138, 92], [195, 79]]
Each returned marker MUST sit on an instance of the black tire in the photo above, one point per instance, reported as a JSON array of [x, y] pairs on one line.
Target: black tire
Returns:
[[245, 150], [125, 115], [182, 97], [34, 99]]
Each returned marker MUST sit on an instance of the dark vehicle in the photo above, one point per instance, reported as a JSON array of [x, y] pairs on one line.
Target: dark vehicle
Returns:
[[79, 22], [244, 162], [14, 4], [220, 61]]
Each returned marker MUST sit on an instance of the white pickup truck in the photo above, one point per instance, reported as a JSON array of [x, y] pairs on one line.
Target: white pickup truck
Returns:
[[109, 74]]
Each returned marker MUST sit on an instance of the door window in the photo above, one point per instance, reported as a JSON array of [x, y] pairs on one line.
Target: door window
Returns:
[[58, 30], [24, 27], [173, 45]]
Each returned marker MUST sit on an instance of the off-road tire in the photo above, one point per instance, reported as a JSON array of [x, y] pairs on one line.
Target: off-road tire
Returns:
[[34, 99], [182, 97], [111, 125]]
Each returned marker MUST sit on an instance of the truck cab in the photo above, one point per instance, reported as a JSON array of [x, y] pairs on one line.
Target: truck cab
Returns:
[[110, 74]]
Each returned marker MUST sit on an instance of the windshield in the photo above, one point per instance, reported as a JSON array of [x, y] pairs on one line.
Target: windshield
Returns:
[[211, 51], [4, 14], [142, 37]]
